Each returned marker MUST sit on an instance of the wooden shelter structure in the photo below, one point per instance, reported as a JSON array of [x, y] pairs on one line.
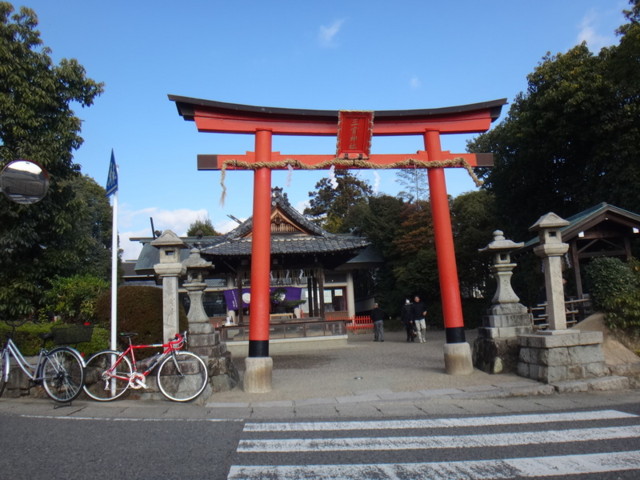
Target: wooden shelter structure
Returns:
[[603, 230]]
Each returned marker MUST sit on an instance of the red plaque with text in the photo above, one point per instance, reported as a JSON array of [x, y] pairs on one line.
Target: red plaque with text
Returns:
[[355, 129]]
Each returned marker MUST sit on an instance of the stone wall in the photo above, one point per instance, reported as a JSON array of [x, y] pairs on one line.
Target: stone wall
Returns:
[[567, 355]]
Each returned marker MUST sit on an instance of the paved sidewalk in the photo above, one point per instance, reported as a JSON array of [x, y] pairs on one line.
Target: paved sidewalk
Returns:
[[363, 379], [365, 370], [393, 370]]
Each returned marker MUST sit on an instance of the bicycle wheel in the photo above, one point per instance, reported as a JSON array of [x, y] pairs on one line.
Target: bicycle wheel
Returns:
[[107, 376], [63, 374], [182, 376], [5, 360]]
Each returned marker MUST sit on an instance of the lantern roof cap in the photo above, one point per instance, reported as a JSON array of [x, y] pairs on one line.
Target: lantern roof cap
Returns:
[[194, 260], [168, 239], [549, 220], [501, 244]]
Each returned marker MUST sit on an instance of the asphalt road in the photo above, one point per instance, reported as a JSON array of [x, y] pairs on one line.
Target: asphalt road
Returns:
[[597, 442], [75, 448]]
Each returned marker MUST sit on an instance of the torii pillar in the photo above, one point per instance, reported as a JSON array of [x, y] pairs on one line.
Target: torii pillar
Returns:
[[457, 351], [354, 131], [258, 364]]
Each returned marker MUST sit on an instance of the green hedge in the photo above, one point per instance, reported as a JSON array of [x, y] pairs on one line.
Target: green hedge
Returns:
[[615, 290], [26, 337]]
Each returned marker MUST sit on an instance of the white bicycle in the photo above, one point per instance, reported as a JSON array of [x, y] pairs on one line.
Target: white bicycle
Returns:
[[60, 371]]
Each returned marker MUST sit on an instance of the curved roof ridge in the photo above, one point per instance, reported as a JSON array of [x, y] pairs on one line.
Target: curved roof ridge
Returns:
[[281, 200]]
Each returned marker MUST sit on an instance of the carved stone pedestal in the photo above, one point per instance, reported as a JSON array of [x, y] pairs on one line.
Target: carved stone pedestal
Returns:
[[496, 348]]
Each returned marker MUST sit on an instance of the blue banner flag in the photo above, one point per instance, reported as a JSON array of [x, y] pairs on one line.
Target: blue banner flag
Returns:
[[112, 179]]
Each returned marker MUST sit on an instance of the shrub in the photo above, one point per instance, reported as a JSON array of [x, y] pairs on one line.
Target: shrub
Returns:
[[27, 338], [614, 287], [140, 311], [609, 278]]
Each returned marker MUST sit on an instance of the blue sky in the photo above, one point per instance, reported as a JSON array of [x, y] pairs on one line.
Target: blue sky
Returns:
[[330, 55]]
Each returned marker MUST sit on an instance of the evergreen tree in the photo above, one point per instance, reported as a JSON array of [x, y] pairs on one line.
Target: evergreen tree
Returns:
[[38, 124], [572, 139], [202, 228], [331, 202]]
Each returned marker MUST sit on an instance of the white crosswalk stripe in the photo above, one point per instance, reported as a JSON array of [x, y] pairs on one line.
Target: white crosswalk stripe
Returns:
[[535, 467], [437, 422], [583, 433]]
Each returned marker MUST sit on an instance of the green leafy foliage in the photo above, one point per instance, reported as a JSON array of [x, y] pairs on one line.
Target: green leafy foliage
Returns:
[[27, 338], [609, 278], [329, 206], [403, 234], [40, 242], [202, 228], [474, 219], [74, 298], [615, 289], [572, 139]]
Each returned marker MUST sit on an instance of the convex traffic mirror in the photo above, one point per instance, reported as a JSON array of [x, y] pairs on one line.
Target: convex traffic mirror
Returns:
[[24, 182]]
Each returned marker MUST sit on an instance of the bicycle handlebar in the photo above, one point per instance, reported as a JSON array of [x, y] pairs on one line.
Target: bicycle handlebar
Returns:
[[179, 340]]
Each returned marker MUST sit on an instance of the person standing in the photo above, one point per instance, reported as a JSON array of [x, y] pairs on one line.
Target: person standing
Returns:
[[378, 316], [419, 312], [407, 321]]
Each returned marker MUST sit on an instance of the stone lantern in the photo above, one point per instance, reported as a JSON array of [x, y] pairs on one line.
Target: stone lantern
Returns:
[[170, 269], [496, 348], [551, 250], [558, 354], [202, 337], [502, 267]]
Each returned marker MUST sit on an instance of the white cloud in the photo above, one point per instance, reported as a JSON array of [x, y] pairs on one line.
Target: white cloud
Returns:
[[179, 220], [588, 33], [137, 223], [131, 250], [376, 182], [225, 226], [414, 82], [300, 206], [328, 33]]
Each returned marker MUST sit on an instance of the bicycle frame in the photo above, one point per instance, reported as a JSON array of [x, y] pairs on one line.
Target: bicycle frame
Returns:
[[137, 378], [31, 371]]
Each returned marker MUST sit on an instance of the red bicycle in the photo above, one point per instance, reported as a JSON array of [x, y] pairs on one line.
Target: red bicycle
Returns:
[[181, 375]]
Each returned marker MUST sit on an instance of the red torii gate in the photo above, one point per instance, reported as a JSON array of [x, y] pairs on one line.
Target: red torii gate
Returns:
[[354, 131]]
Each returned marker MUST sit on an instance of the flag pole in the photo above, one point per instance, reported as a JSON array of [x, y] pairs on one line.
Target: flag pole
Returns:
[[112, 188], [114, 274]]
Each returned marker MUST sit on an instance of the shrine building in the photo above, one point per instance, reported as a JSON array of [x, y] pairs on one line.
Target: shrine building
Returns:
[[315, 275]]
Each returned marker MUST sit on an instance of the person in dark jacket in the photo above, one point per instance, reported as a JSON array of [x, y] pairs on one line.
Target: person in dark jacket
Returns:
[[419, 313], [378, 317], [407, 321]]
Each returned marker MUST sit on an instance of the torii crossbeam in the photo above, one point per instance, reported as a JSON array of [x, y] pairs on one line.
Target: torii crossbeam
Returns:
[[354, 131]]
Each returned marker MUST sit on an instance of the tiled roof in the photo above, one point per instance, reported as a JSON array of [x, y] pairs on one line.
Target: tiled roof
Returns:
[[583, 220], [289, 244], [237, 243], [317, 240], [279, 200]]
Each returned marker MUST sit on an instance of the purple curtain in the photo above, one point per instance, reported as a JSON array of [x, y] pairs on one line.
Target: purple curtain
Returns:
[[231, 296]]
